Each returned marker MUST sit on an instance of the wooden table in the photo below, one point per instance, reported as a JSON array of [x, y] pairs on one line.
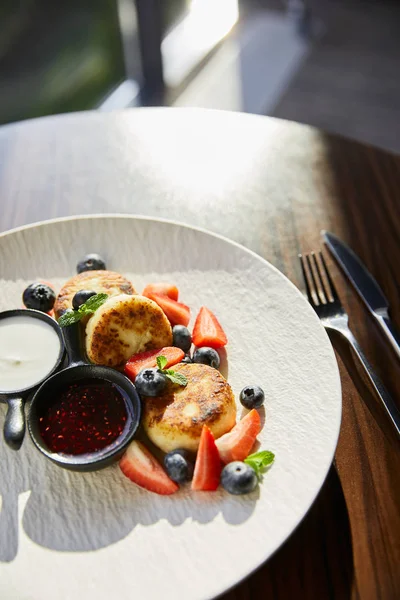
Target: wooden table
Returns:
[[272, 186]]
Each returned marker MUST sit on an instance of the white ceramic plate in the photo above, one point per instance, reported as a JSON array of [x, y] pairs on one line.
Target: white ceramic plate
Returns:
[[97, 536]]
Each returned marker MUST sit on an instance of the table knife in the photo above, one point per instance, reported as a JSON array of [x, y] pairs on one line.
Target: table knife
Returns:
[[366, 286]]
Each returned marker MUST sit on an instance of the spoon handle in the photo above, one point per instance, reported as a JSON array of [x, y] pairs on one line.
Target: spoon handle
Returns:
[[73, 340], [14, 425]]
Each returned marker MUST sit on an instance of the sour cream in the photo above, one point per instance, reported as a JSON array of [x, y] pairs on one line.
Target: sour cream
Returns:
[[29, 350]]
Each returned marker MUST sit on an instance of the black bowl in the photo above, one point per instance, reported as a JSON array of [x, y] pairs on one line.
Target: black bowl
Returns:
[[79, 370]]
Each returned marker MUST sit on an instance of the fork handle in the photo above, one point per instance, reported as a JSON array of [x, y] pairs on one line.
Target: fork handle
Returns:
[[379, 389]]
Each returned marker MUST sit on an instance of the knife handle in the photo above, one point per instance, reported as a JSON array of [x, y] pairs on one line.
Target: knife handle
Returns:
[[386, 324]]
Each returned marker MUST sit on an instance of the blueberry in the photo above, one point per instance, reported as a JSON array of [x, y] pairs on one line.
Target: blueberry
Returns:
[[207, 356], [181, 337], [186, 359], [150, 382], [179, 465], [81, 297], [252, 396], [238, 478], [91, 262], [39, 296]]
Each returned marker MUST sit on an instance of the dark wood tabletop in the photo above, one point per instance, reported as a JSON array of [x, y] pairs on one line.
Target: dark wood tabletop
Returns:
[[271, 185]]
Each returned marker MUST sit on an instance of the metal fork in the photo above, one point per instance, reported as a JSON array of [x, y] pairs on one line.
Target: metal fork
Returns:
[[323, 297]]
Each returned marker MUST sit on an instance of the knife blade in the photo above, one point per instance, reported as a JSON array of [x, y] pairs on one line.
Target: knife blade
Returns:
[[366, 286]]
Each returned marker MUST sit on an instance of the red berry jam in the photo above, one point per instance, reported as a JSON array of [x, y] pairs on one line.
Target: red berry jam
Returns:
[[86, 417]]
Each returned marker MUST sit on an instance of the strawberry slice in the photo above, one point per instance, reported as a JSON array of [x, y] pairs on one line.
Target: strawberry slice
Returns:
[[147, 360], [207, 330], [165, 289], [237, 444], [140, 466], [176, 312], [207, 469]]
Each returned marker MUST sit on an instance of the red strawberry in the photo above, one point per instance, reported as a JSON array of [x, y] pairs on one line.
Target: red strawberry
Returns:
[[140, 466], [146, 360], [176, 312], [237, 444], [165, 289], [207, 331], [207, 469]]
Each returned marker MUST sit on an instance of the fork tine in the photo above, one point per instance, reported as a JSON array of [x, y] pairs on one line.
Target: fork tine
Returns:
[[329, 279], [321, 282], [317, 288], [308, 289]]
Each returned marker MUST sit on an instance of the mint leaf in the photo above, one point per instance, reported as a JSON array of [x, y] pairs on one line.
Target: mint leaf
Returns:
[[161, 362], [71, 317], [175, 377], [259, 461], [92, 304]]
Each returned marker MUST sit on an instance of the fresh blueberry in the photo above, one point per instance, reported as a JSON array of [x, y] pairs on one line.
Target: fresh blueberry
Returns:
[[181, 337], [39, 296], [238, 478], [252, 396], [179, 465], [186, 359], [150, 382], [81, 297], [91, 262], [207, 356]]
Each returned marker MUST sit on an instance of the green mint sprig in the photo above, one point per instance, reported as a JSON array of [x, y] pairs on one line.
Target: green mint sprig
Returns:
[[259, 461], [88, 308], [161, 362], [172, 375]]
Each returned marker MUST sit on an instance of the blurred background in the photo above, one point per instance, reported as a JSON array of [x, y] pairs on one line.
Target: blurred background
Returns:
[[334, 64]]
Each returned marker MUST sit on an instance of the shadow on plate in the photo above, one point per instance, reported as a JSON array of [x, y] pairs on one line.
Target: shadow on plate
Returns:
[[69, 511]]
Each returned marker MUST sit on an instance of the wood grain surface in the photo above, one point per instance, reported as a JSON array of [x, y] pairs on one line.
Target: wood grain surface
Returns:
[[271, 185]]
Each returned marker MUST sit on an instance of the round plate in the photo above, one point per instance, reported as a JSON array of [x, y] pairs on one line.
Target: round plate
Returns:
[[97, 535]]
